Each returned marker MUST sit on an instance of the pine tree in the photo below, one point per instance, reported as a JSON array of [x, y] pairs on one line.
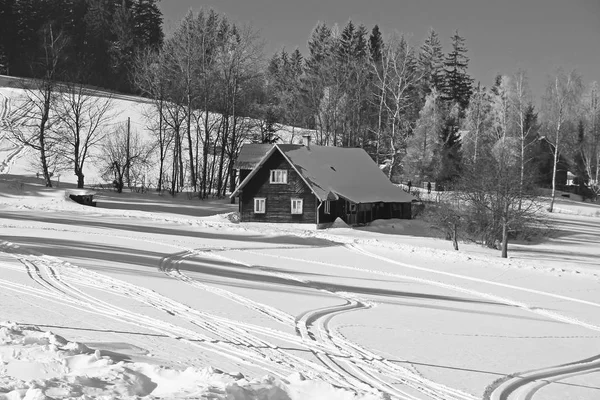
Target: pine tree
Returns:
[[375, 44], [431, 64], [7, 37], [147, 20], [457, 83]]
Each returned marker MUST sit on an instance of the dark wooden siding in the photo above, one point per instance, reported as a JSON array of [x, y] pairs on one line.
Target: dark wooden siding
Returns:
[[364, 213], [243, 174], [278, 196]]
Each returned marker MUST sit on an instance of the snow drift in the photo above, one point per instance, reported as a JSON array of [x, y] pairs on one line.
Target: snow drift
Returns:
[[39, 365]]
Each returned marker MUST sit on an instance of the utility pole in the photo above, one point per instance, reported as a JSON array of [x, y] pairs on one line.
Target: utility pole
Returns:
[[128, 140]]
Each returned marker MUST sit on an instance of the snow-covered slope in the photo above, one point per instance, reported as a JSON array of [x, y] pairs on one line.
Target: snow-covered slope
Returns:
[[124, 107]]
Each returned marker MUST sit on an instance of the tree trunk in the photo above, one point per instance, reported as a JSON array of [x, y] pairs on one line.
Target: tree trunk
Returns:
[[455, 236], [504, 240], [554, 168], [205, 153], [80, 179], [222, 156], [505, 220], [161, 140], [190, 144]]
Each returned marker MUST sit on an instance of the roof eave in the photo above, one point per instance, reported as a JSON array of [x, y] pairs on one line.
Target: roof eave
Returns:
[[253, 172]]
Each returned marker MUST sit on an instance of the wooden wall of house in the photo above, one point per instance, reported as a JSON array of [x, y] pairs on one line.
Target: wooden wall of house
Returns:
[[243, 174], [278, 203], [335, 210]]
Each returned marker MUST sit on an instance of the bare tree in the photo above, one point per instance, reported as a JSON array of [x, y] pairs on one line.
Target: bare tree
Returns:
[[121, 152], [560, 104], [496, 206], [591, 147], [151, 78], [82, 118], [400, 77], [40, 98], [502, 107], [520, 99], [478, 119]]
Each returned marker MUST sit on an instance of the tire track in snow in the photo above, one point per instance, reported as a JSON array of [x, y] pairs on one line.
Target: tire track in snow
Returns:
[[361, 365], [169, 265], [453, 287], [240, 353], [525, 385]]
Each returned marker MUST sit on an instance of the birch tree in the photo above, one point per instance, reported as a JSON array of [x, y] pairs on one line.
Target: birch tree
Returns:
[[522, 108], [591, 148], [560, 104], [396, 81]]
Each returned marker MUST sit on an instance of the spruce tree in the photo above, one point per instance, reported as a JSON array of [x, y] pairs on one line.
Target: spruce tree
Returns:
[[431, 64], [147, 20], [375, 44], [457, 82]]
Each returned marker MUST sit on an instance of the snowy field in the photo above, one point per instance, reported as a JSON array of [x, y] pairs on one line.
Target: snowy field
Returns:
[[146, 295]]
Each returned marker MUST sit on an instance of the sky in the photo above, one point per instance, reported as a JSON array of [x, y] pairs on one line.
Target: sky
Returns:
[[501, 35]]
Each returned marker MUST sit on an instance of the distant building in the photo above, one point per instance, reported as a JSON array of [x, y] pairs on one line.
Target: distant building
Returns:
[[314, 184]]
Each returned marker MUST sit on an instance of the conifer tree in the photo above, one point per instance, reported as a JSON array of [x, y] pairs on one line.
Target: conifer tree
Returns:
[[375, 44], [457, 82], [431, 64]]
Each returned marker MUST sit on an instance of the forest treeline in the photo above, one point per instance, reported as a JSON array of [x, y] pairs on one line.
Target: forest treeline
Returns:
[[99, 38], [413, 107]]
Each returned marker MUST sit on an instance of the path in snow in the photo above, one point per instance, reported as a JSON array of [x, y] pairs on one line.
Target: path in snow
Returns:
[[337, 359]]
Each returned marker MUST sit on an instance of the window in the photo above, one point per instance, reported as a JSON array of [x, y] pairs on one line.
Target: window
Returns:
[[296, 206], [327, 207], [278, 176], [259, 205]]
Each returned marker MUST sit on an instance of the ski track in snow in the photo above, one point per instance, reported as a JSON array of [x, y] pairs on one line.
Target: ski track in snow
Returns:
[[361, 368], [358, 367], [523, 386], [346, 364], [57, 280]]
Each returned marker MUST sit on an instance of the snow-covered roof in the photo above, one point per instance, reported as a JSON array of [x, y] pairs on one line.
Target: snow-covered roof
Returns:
[[330, 172], [251, 154]]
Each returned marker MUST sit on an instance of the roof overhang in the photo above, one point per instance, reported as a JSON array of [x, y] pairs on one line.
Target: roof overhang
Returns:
[[260, 164], [253, 172]]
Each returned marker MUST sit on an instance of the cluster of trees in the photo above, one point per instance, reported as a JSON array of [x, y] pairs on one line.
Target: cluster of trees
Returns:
[[100, 37], [508, 151], [205, 81], [359, 89], [414, 109]]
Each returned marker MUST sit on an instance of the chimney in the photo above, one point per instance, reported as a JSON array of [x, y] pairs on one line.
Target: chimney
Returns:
[[306, 140]]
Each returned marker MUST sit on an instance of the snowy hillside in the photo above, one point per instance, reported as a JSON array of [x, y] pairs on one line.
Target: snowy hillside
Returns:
[[137, 109]]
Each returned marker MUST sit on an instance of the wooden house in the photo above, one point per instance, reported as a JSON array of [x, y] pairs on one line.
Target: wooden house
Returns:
[[314, 184]]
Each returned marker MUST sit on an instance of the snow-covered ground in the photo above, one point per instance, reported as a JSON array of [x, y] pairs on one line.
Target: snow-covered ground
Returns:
[[146, 295]]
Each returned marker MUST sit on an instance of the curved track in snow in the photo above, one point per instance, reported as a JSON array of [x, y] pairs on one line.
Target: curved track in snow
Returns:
[[340, 361], [524, 386], [353, 365]]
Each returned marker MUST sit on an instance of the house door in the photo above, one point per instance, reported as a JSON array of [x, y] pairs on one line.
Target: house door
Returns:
[[351, 212]]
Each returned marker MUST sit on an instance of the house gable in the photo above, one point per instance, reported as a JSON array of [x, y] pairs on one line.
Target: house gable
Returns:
[[278, 196]]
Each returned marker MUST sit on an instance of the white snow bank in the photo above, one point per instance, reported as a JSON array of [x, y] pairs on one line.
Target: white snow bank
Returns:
[[38, 365], [339, 223]]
